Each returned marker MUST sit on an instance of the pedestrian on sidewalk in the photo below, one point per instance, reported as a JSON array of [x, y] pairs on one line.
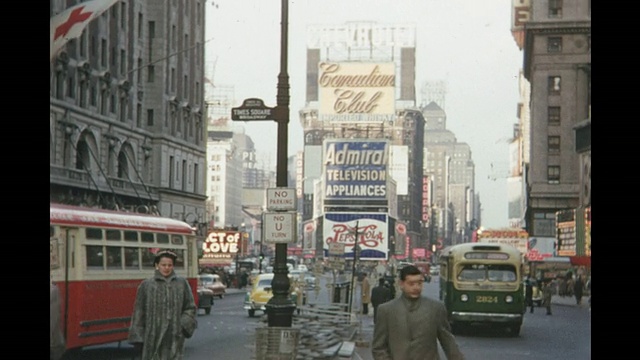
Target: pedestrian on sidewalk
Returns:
[[164, 313], [528, 292], [365, 291], [547, 293], [410, 326], [379, 295], [578, 287]]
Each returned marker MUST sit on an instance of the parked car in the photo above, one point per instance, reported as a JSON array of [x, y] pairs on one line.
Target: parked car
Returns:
[[214, 283], [205, 297], [261, 292]]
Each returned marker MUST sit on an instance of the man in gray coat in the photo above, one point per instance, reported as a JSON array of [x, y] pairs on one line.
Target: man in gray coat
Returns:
[[410, 326]]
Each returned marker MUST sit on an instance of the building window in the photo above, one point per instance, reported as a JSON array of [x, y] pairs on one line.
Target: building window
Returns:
[[123, 14], [185, 46], [171, 171], [139, 71], [149, 117], [173, 80], [93, 46], [103, 102], [152, 29], [103, 54], [113, 56], [139, 115], [113, 104], [139, 25], [60, 85], [123, 109], [71, 87], [93, 95], [173, 36], [553, 174], [151, 73], [184, 175], [553, 115], [123, 166], [195, 178], [83, 44], [554, 44], [83, 94], [555, 8], [123, 62], [554, 85], [553, 144]]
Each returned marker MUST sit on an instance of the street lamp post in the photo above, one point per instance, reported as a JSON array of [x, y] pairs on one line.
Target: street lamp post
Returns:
[[280, 307]]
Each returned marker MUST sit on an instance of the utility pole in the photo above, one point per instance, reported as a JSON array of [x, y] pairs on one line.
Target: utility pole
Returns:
[[356, 253], [280, 307]]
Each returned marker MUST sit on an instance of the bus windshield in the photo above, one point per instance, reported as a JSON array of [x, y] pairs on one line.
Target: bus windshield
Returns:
[[483, 272]]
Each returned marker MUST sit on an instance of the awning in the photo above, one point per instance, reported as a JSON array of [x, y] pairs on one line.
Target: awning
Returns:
[[581, 260]]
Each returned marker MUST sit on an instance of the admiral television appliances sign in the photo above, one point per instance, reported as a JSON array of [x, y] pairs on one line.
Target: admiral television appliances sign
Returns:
[[355, 169]]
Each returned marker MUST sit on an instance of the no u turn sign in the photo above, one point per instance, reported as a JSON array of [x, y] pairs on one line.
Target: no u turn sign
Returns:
[[279, 227]]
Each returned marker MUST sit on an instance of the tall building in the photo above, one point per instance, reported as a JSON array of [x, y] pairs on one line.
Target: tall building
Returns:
[[450, 166], [519, 158], [360, 99], [557, 63], [127, 111]]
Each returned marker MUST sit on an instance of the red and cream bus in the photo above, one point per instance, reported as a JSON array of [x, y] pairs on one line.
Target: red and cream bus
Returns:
[[98, 259]]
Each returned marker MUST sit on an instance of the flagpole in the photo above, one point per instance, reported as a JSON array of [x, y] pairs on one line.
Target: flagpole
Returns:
[[168, 56]]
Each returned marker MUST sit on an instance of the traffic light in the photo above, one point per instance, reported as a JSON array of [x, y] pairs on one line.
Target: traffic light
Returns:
[[261, 257]]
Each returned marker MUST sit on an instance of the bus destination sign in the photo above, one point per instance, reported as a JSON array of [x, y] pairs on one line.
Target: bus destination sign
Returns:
[[252, 109]]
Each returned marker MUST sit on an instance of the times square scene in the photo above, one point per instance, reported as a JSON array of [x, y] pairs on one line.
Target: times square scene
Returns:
[[264, 179]]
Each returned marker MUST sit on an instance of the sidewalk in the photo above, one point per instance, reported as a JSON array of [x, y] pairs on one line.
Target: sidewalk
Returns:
[[569, 301]]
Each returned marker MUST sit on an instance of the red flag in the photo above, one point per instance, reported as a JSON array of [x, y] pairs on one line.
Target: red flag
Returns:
[[70, 23]]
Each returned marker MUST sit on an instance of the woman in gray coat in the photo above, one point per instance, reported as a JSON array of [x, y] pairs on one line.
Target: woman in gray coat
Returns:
[[164, 313], [410, 326]]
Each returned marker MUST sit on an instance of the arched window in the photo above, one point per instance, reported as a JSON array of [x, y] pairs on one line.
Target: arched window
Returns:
[[83, 160], [123, 166]]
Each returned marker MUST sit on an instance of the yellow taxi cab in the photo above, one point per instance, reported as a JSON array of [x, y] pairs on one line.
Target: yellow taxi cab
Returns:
[[256, 299]]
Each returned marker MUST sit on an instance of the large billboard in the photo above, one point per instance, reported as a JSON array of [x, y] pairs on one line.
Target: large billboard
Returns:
[[355, 169], [372, 229], [363, 34], [221, 246], [356, 92]]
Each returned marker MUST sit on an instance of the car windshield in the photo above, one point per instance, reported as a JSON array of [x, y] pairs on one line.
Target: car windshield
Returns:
[[264, 283]]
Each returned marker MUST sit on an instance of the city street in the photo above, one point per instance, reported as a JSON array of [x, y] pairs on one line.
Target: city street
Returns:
[[228, 333]]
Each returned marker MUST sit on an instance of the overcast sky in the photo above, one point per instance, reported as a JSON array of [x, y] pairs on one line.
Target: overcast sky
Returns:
[[465, 43]]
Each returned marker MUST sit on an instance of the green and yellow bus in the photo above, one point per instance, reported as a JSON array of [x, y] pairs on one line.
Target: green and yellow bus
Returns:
[[482, 283]]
